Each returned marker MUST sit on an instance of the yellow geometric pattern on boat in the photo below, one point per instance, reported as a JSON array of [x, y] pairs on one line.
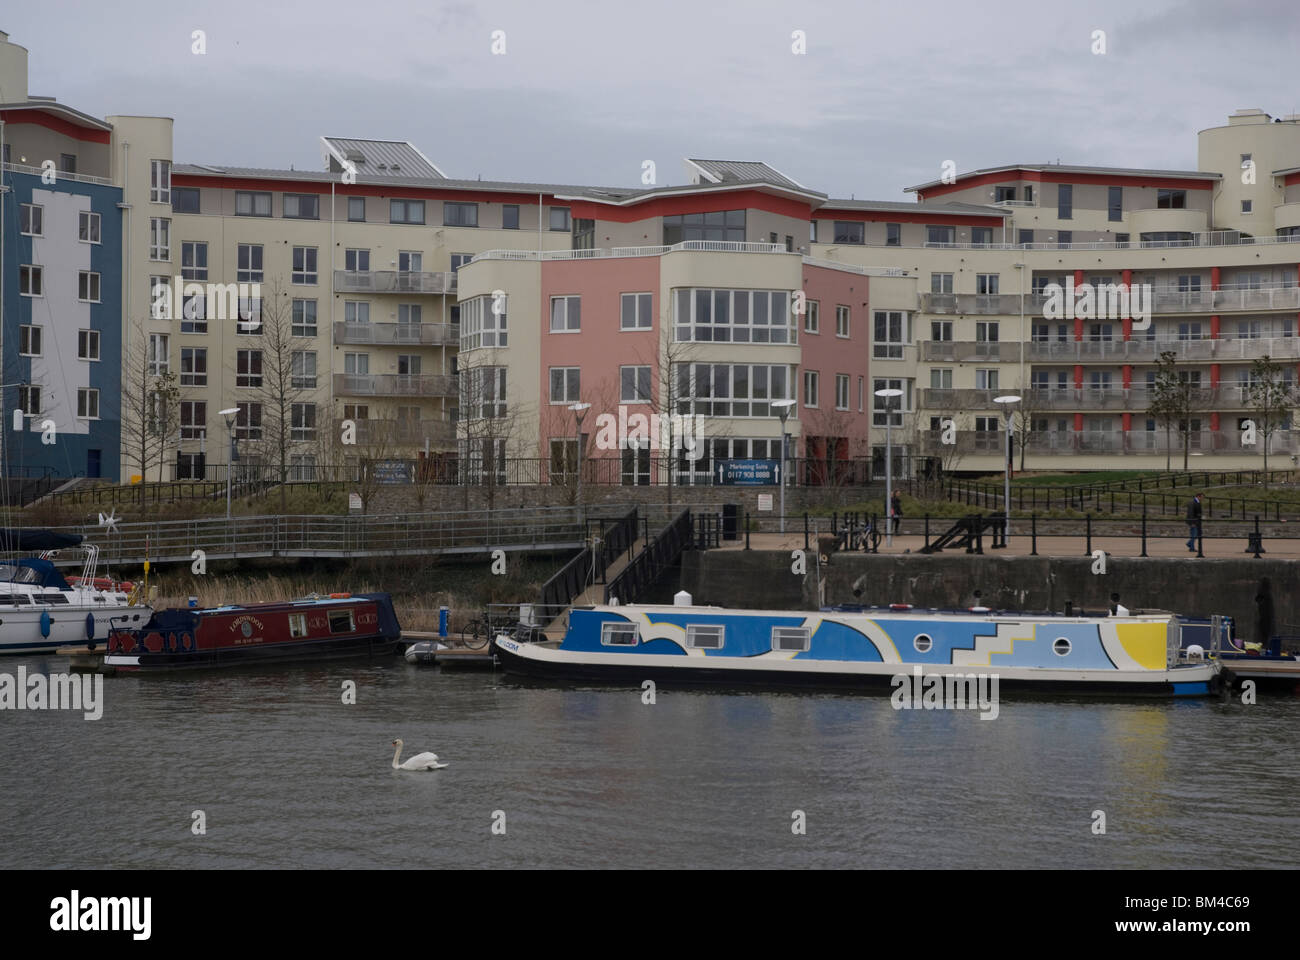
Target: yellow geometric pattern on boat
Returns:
[[1144, 642]]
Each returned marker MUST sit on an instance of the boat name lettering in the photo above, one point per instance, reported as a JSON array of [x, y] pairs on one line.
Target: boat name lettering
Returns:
[[246, 624]]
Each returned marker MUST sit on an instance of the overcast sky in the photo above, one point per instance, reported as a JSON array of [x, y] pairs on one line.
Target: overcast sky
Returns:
[[587, 91]]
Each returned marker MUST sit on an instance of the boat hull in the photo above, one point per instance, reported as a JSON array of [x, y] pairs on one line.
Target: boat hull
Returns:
[[22, 632]]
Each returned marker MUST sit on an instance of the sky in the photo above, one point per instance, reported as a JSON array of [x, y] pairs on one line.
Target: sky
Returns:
[[586, 92]]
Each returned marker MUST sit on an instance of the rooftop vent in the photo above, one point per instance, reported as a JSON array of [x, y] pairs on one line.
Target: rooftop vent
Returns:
[[356, 156]]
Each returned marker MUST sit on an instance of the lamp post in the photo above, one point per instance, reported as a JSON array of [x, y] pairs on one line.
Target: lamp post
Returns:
[[580, 411], [782, 408], [232, 453], [887, 395], [1007, 403]]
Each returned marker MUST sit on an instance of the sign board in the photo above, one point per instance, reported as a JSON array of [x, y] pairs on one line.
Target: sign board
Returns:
[[765, 502], [354, 502], [392, 471], [746, 473]]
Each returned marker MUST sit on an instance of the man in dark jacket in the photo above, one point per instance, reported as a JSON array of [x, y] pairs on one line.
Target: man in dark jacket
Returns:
[[896, 511], [1193, 522]]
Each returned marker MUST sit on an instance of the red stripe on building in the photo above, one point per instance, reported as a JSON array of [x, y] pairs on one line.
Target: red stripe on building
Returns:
[[694, 203], [354, 189], [1053, 176], [57, 124], [945, 219]]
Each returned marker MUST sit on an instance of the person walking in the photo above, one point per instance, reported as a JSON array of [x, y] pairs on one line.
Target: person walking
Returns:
[[1193, 522], [896, 511]]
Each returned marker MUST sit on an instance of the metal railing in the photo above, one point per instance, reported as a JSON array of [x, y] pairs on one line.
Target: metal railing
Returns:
[[601, 253], [647, 567], [394, 385], [61, 174], [394, 281], [416, 334]]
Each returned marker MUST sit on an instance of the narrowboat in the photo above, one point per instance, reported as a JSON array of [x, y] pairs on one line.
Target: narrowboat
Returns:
[[311, 628], [42, 610], [856, 647]]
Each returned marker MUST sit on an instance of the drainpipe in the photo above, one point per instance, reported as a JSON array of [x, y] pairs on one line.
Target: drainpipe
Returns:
[[539, 226]]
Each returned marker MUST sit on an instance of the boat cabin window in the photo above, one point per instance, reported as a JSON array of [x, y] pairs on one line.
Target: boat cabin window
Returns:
[[341, 621], [705, 636], [54, 598], [614, 634], [922, 643], [1061, 647], [791, 639], [298, 625]]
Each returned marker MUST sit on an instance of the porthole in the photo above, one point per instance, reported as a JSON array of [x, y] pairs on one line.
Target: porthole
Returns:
[[922, 642], [1061, 647]]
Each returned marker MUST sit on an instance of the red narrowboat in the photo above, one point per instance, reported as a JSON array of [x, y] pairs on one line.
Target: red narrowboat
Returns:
[[311, 628]]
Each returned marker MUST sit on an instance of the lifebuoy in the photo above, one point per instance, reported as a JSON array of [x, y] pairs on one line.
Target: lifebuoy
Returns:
[[340, 596]]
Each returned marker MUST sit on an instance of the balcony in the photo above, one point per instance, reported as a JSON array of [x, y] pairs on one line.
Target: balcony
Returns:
[[1156, 442], [1134, 400], [402, 334], [393, 385], [1148, 351], [964, 441], [975, 303], [944, 351], [1224, 300], [935, 399], [439, 433], [393, 281]]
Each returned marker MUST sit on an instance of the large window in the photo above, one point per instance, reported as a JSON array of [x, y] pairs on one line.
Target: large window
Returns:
[[1171, 199], [194, 419], [510, 216], [841, 391], [303, 422], [634, 384], [941, 283], [248, 421], [1064, 201], [160, 239], [302, 366], [733, 316], [406, 211], [718, 225], [29, 399], [88, 403], [248, 368], [304, 318], [249, 204], [483, 393], [584, 233], [88, 226], [194, 366], [566, 384], [891, 335], [462, 215], [160, 181], [249, 263], [893, 407], [356, 259], [29, 341], [732, 390], [1115, 204], [301, 206], [185, 200], [31, 280], [635, 312], [31, 219], [850, 231], [194, 261], [304, 265], [88, 286], [559, 218], [87, 344], [159, 355], [566, 314], [480, 326], [893, 234], [940, 235]]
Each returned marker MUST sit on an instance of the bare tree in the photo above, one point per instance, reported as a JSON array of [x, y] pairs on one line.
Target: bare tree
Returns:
[[1171, 402], [150, 402], [281, 380], [488, 431], [561, 452], [1270, 399], [841, 438]]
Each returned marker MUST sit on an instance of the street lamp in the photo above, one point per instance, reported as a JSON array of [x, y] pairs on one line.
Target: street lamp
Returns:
[[580, 411], [233, 452], [1006, 404], [887, 395], [782, 408]]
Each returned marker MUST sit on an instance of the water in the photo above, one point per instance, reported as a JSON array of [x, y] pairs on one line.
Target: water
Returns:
[[289, 776]]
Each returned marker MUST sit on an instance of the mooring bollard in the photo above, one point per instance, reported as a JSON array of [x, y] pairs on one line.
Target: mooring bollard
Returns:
[[1254, 543], [1033, 534], [1088, 549], [1144, 529], [1200, 540]]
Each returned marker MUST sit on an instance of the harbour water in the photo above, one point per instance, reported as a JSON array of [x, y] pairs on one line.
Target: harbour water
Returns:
[[288, 775]]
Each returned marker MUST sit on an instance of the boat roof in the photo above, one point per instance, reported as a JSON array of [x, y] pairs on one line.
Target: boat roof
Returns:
[[885, 612]]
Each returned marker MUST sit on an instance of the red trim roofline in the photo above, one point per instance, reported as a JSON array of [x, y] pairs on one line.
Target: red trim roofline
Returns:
[[692, 203], [353, 189], [56, 123], [877, 216], [1053, 176]]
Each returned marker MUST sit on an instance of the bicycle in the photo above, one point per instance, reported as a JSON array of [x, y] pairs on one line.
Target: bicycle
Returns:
[[480, 631]]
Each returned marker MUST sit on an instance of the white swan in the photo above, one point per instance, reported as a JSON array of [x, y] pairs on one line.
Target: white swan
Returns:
[[421, 761]]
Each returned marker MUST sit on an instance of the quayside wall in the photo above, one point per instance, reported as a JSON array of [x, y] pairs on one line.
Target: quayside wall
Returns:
[[764, 579]]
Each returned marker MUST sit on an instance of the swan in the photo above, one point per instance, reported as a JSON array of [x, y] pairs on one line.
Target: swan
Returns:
[[421, 761]]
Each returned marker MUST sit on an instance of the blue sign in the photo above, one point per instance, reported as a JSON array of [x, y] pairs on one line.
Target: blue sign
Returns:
[[747, 473], [392, 471]]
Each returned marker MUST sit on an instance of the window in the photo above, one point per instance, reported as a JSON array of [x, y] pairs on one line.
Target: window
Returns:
[[356, 260], [841, 321], [1189, 283], [1115, 204], [565, 384], [185, 200], [1024, 236], [941, 283], [558, 217], [194, 419], [29, 399], [408, 365], [87, 344], [194, 366], [355, 411], [841, 391], [248, 368], [986, 331], [736, 316], [356, 311], [340, 621], [566, 314], [356, 364], [922, 643], [891, 335], [357, 209], [88, 286], [812, 231], [1171, 199], [303, 369], [941, 331], [194, 261], [248, 204], [297, 625], [791, 639], [810, 388], [893, 407], [68, 162], [1246, 206], [194, 314], [510, 216], [1101, 332], [88, 226], [88, 403], [410, 261], [635, 313], [301, 206], [160, 181], [408, 322], [941, 378], [483, 322], [406, 211], [248, 421], [940, 235], [29, 341], [725, 225], [250, 316], [31, 219], [1064, 238], [981, 236], [483, 393], [160, 239], [700, 636], [616, 634], [812, 316], [31, 280], [303, 418], [1064, 201], [986, 379], [732, 390], [460, 215], [304, 265], [1121, 239], [249, 263], [986, 284], [634, 384], [1004, 194], [789, 243], [159, 355], [850, 231], [1029, 193], [304, 318], [893, 234], [584, 233]]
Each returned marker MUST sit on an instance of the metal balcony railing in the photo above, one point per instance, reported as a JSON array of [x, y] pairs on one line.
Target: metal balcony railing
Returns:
[[401, 432], [393, 385], [418, 334], [393, 281]]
